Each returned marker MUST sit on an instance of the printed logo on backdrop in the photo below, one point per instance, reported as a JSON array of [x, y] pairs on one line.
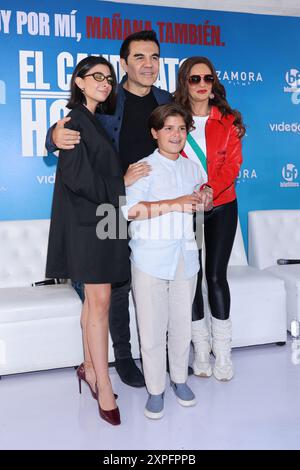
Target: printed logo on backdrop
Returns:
[[290, 127], [46, 179], [42, 103], [290, 174], [43, 100], [246, 175], [118, 28], [292, 78], [238, 77]]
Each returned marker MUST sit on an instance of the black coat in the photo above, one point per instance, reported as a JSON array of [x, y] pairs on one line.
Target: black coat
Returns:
[[87, 176]]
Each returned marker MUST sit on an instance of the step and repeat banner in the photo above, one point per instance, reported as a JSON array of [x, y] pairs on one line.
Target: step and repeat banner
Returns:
[[256, 56]]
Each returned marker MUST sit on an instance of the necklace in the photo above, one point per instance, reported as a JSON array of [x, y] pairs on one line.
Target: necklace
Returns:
[[202, 114]]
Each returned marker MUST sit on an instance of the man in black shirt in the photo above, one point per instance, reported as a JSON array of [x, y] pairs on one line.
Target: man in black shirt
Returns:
[[128, 129], [134, 142]]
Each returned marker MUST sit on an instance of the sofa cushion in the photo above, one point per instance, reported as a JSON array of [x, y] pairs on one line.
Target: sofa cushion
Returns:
[[248, 278], [23, 250], [290, 274], [273, 234], [37, 303]]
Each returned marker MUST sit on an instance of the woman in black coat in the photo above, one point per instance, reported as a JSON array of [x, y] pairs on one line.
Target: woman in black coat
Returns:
[[89, 177]]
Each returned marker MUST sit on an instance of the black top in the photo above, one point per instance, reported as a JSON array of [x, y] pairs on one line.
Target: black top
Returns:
[[87, 177], [136, 141]]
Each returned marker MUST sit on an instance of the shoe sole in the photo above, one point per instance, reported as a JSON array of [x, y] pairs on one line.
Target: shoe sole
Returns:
[[203, 375], [202, 372], [151, 415], [187, 403], [184, 402], [223, 379]]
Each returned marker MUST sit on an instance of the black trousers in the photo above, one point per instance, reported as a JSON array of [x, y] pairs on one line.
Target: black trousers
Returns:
[[118, 317], [219, 231]]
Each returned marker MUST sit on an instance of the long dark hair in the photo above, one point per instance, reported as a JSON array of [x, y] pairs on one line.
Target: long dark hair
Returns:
[[182, 92], [82, 69]]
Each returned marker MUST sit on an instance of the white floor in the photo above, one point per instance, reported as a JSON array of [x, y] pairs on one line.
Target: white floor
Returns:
[[258, 409]]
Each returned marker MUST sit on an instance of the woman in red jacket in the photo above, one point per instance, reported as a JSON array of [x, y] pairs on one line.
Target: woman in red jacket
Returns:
[[215, 144]]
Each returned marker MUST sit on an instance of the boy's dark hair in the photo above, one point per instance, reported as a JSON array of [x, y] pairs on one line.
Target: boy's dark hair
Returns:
[[82, 69], [158, 117], [146, 35]]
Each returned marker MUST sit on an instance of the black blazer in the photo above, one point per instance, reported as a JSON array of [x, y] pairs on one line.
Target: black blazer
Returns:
[[86, 177]]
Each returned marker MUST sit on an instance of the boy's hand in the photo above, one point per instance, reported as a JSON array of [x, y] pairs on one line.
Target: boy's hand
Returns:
[[190, 203], [206, 197]]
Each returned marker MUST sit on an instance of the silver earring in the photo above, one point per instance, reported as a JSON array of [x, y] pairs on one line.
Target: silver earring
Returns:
[[211, 96], [82, 89]]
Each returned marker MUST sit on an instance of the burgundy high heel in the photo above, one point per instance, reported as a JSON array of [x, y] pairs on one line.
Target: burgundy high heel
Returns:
[[111, 416], [81, 376]]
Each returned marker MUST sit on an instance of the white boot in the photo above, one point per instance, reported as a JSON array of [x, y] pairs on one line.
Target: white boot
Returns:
[[221, 346], [202, 348]]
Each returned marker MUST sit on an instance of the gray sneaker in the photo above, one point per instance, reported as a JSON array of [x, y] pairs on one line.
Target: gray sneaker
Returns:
[[155, 406], [184, 394]]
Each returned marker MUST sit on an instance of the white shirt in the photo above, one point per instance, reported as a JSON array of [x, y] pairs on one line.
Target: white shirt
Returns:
[[198, 135], [157, 242]]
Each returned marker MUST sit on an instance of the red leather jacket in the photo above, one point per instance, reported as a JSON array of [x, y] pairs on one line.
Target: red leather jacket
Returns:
[[223, 155]]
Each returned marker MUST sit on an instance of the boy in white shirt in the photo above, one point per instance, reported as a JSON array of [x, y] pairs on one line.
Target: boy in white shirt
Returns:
[[164, 255]]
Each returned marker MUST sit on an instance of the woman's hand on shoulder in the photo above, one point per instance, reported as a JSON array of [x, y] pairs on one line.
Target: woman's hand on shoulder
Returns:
[[135, 172]]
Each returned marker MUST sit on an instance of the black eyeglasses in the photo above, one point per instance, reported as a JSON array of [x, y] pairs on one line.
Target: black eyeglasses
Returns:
[[196, 79], [100, 77]]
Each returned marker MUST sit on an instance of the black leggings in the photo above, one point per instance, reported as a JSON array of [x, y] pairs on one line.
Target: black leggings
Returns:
[[219, 231]]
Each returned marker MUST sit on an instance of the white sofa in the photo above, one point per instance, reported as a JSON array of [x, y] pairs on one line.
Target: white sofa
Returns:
[[273, 235], [39, 326], [257, 301]]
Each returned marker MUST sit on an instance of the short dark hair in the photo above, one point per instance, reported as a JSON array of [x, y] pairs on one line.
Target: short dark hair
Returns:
[[81, 69], [158, 117], [146, 35]]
